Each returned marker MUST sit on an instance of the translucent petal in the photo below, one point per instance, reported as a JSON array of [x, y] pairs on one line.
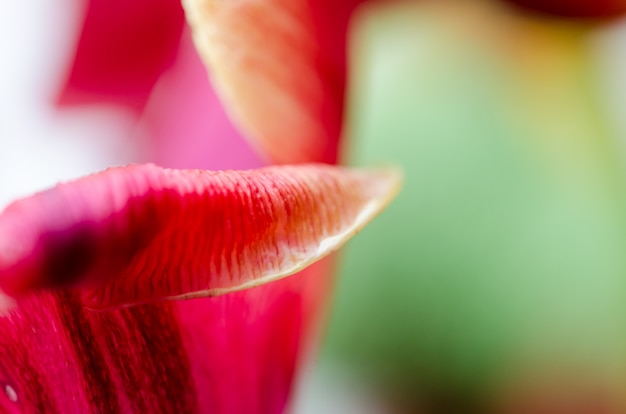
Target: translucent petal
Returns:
[[279, 66], [141, 233]]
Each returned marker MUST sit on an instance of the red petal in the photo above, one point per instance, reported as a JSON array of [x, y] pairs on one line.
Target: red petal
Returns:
[[142, 233], [280, 65], [576, 8], [122, 50]]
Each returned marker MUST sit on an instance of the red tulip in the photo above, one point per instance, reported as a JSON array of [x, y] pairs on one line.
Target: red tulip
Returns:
[[120, 245], [141, 234]]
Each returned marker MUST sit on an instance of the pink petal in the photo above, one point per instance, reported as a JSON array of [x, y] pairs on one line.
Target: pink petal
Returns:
[[122, 50], [280, 67], [141, 233], [230, 354], [186, 123]]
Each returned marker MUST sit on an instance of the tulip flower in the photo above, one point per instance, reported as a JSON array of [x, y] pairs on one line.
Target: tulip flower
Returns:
[[140, 234], [94, 273]]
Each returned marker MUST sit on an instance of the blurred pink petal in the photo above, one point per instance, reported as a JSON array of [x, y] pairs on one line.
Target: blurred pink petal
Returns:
[[122, 50], [232, 354], [186, 123]]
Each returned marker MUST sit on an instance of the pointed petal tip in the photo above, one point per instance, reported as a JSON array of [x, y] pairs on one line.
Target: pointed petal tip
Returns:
[[142, 233], [389, 179], [382, 185]]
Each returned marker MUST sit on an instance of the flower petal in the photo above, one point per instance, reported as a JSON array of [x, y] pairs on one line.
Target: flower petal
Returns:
[[141, 233], [123, 48], [576, 8], [236, 353], [197, 134], [280, 67]]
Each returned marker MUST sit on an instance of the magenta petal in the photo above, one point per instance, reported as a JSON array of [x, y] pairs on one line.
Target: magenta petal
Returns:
[[122, 50], [140, 233], [230, 354], [196, 134]]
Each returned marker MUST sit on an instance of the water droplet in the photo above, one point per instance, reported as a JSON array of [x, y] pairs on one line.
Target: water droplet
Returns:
[[10, 393]]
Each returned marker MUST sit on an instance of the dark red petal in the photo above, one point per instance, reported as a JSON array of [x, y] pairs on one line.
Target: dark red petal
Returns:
[[140, 233], [280, 68], [576, 8], [122, 50]]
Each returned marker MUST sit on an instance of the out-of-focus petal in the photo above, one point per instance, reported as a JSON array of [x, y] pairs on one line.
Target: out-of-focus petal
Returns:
[[235, 353], [576, 8], [280, 67], [123, 48], [198, 133], [140, 233]]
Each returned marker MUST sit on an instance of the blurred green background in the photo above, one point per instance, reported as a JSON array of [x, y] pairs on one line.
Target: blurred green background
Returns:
[[497, 280]]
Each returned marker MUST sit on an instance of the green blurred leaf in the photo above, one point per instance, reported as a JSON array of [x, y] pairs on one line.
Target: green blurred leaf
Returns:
[[506, 251]]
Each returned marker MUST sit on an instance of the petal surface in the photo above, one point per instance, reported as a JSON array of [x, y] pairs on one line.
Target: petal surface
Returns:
[[280, 67], [199, 133], [235, 353], [140, 233], [123, 48]]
